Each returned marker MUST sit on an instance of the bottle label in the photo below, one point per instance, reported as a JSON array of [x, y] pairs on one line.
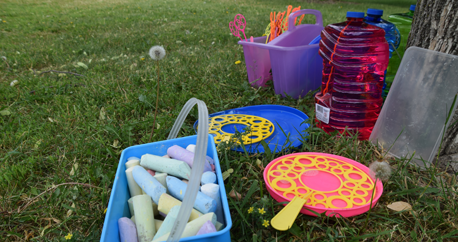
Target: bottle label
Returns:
[[322, 113]]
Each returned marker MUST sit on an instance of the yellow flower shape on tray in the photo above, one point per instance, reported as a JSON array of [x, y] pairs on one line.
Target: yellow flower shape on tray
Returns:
[[261, 128]]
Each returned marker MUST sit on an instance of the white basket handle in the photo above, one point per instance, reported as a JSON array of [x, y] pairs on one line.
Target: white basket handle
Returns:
[[197, 165]]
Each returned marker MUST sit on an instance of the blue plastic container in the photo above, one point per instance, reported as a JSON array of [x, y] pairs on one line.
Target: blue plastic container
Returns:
[[289, 125], [118, 207], [392, 34]]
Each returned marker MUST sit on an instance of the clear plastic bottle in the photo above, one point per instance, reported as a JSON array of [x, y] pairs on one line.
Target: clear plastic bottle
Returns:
[[403, 22], [392, 35], [355, 57]]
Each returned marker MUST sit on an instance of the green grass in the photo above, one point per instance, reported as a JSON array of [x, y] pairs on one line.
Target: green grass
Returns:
[[52, 122]]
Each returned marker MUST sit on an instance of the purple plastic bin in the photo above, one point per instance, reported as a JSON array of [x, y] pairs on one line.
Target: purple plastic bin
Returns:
[[296, 65], [257, 61]]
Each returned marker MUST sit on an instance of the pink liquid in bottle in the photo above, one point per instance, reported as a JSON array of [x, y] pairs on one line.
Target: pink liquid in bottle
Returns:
[[355, 57]]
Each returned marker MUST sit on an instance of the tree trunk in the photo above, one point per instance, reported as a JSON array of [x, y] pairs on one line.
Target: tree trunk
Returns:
[[435, 27]]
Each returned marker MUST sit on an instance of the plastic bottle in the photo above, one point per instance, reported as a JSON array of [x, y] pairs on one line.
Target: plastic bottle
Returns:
[[403, 22], [355, 57], [392, 35]]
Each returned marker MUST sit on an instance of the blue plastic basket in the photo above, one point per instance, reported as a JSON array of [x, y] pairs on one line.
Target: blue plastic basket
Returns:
[[118, 207]]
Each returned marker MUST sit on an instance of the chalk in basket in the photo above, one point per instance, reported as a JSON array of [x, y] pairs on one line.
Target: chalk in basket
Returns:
[[177, 188], [173, 167], [167, 202], [168, 222], [208, 177], [179, 153], [127, 230], [192, 227], [144, 217], [212, 190], [148, 183], [207, 228]]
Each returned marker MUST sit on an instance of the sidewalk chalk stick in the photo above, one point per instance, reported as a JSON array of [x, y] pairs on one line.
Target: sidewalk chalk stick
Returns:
[[207, 228], [132, 163], [127, 230], [144, 217], [157, 222], [192, 227], [148, 183], [219, 226], [177, 189], [167, 202], [131, 208], [151, 172], [134, 189], [208, 177], [170, 166], [133, 158], [166, 156], [212, 190], [185, 181], [161, 179], [192, 148], [168, 222], [177, 152]]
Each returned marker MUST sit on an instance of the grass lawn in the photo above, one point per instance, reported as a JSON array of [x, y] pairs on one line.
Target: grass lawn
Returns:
[[67, 130]]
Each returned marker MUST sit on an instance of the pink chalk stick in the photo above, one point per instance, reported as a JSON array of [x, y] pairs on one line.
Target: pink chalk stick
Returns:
[[207, 228], [151, 172]]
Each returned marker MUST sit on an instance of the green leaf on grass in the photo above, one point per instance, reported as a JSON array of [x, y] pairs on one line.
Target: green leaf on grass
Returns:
[[81, 64], [5, 112], [227, 173]]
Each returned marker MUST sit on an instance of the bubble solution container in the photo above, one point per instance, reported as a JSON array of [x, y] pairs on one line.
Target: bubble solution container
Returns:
[[355, 56], [403, 22], [392, 35]]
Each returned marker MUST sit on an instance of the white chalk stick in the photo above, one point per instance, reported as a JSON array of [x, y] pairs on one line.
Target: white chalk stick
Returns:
[[134, 189], [132, 163]]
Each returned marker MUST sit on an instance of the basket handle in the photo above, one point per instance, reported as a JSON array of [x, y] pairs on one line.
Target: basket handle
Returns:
[[292, 16], [197, 167]]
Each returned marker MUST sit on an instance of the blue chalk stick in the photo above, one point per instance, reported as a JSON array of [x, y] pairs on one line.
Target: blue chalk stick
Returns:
[[148, 183], [167, 225], [208, 177], [127, 230], [203, 203]]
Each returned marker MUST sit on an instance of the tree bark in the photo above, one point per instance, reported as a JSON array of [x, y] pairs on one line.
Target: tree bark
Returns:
[[435, 27]]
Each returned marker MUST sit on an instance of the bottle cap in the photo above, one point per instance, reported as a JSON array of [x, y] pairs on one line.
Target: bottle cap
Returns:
[[412, 7], [355, 15], [373, 11]]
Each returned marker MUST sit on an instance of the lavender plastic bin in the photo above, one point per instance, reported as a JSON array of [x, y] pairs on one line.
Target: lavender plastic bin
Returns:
[[257, 61], [296, 65]]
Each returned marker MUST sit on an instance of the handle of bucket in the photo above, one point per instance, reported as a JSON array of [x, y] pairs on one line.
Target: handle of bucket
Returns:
[[292, 16], [197, 165]]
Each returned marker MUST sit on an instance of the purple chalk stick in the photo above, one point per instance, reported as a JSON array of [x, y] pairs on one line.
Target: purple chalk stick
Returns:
[[179, 153], [127, 230], [162, 214], [207, 228]]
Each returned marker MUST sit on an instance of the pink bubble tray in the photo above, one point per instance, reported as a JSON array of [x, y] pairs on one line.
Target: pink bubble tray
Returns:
[[339, 186]]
